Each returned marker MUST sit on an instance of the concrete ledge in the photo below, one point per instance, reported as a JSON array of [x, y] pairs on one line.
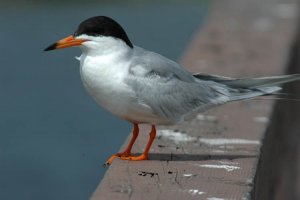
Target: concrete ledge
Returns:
[[278, 171], [215, 155]]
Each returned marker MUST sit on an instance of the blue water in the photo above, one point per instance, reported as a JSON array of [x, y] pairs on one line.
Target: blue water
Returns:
[[53, 137]]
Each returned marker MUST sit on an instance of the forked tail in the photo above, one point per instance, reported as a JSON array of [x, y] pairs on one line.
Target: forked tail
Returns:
[[244, 88]]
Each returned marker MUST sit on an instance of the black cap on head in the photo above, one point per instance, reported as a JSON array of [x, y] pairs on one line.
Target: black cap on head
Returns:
[[102, 26]]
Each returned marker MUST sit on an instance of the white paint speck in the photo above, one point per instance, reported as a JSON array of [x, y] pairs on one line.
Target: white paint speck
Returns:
[[176, 137], [188, 175], [218, 151], [228, 163], [249, 181], [226, 147], [195, 191], [224, 141], [261, 119], [206, 118], [228, 168], [179, 137]]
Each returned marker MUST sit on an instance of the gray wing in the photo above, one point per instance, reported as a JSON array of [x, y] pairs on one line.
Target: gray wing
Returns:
[[145, 63], [171, 91]]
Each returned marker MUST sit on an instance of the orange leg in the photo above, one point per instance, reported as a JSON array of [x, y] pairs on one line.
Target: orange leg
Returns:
[[127, 151], [144, 155]]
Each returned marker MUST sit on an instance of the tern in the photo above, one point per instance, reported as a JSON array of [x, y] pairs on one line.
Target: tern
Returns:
[[141, 86]]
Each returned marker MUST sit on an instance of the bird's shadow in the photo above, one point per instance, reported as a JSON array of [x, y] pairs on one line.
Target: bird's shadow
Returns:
[[169, 157], [195, 157]]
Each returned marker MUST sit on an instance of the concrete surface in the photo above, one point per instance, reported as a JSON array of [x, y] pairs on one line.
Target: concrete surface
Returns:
[[214, 155]]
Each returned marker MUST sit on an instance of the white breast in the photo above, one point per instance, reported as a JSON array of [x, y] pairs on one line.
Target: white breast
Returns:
[[103, 79]]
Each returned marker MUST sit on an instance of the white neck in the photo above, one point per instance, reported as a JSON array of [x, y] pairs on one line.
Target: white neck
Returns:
[[102, 45]]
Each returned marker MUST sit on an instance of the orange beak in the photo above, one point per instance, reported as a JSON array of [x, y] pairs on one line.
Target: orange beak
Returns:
[[69, 41]]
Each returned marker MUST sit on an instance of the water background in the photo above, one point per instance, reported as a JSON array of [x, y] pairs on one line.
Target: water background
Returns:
[[53, 136]]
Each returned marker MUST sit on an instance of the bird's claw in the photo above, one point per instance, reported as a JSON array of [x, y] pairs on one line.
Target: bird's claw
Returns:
[[125, 154]]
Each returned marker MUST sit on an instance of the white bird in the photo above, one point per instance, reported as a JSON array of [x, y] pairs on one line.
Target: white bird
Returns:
[[141, 86]]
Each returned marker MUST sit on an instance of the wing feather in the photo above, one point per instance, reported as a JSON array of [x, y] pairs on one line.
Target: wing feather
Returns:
[[171, 91]]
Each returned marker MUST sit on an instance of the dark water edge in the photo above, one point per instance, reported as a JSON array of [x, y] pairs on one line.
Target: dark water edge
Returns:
[[53, 137]]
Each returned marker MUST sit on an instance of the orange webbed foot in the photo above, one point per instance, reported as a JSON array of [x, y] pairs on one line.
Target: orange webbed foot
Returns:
[[125, 154], [135, 158]]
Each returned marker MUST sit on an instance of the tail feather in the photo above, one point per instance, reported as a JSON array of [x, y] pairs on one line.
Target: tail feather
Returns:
[[244, 88]]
